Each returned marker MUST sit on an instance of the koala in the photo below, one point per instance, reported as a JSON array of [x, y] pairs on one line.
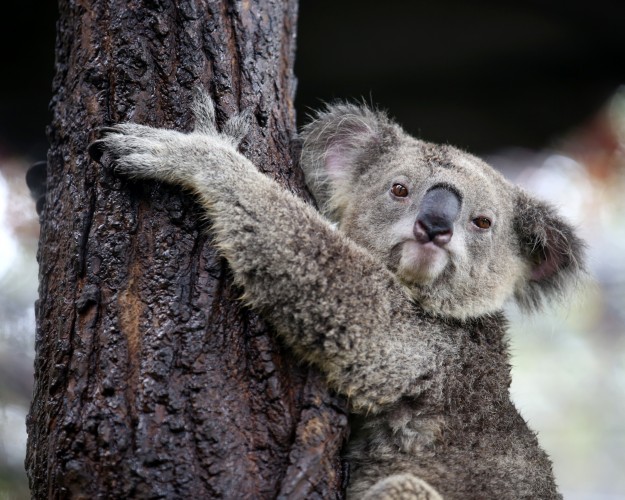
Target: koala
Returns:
[[394, 288]]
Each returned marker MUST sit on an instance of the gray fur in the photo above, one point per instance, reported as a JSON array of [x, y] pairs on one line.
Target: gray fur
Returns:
[[412, 334]]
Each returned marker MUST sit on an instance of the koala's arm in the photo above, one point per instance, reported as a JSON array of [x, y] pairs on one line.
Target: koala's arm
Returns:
[[330, 300]]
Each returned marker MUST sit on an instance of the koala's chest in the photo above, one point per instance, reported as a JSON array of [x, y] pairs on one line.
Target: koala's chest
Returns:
[[474, 376]]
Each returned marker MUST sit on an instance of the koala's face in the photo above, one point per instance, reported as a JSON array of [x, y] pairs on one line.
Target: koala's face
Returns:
[[442, 220], [459, 236]]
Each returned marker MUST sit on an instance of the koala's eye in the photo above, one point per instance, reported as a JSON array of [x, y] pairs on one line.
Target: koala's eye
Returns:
[[482, 222], [399, 190]]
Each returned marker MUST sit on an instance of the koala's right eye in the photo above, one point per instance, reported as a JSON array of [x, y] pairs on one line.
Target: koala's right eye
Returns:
[[399, 190], [482, 222]]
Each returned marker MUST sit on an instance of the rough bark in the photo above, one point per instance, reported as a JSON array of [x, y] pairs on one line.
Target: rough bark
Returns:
[[152, 381]]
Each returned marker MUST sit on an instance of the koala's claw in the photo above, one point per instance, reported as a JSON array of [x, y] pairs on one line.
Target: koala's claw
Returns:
[[96, 150], [103, 131], [104, 144]]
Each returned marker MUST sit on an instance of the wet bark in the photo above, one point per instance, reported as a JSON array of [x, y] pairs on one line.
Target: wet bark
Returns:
[[152, 381]]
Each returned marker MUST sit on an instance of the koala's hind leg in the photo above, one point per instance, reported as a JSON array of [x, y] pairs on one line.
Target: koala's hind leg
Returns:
[[401, 487]]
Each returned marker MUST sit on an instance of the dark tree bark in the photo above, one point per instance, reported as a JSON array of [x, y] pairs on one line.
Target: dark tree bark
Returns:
[[151, 379]]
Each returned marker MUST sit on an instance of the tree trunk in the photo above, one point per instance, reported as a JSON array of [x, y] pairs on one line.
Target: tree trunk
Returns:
[[152, 381]]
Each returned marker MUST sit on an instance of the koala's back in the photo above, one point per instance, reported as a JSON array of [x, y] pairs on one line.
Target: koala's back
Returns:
[[462, 435]]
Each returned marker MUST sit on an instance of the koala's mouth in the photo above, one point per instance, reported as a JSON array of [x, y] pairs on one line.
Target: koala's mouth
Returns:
[[420, 262]]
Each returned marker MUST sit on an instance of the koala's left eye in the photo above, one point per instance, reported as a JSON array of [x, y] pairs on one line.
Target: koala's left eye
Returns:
[[482, 222], [399, 190]]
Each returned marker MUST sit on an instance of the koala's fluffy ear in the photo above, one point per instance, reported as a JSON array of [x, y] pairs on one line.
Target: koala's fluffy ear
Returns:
[[338, 144], [554, 253]]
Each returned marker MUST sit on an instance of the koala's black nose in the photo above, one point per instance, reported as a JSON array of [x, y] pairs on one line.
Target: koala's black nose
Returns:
[[438, 211]]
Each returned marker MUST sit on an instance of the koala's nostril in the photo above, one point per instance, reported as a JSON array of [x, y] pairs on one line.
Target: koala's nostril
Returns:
[[433, 229], [435, 222]]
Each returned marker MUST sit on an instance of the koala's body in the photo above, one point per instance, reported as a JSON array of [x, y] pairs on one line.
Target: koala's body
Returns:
[[400, 307]]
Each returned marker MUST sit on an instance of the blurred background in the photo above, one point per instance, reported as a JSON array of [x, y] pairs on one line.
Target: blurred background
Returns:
[[536, 88]]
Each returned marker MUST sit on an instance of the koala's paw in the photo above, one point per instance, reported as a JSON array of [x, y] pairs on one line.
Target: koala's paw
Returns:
[[139, 151], [402, 487], [145, 152]]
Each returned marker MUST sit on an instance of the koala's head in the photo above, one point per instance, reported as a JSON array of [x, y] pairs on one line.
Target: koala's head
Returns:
[[454, 231]]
